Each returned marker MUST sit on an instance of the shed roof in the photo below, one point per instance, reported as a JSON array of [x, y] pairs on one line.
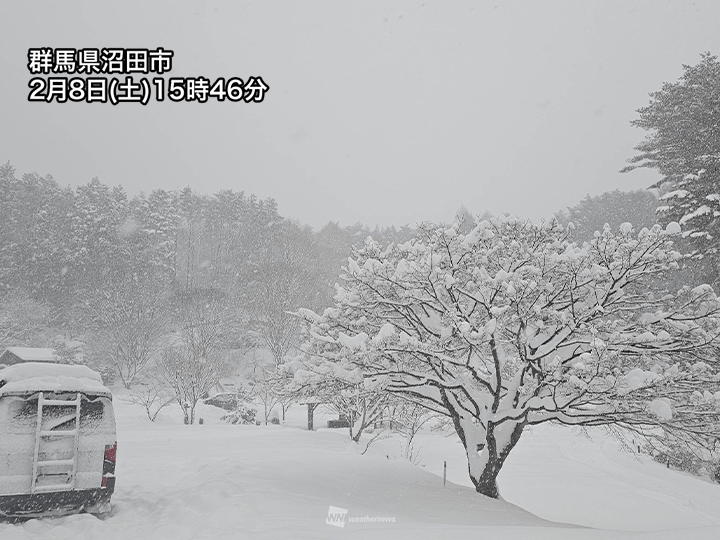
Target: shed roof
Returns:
[[32, 354]]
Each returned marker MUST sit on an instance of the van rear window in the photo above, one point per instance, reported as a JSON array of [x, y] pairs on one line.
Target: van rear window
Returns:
[[59, 417]]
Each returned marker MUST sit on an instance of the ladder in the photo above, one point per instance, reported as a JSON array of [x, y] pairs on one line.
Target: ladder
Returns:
[[62, 471]]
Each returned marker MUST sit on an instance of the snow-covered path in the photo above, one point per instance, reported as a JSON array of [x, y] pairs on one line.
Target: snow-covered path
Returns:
[[276, 482]]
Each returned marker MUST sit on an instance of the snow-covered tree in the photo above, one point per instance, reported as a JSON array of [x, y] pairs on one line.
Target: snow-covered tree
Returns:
[[191, 376], [612, 207], [513, 325], [683, 144], [21, 318], [268, 386], [280, 386], [694, 201], [408, 418], [152, 231], [207, 320], [130, 321], [33, 236], [683, 120], [152, 393], [283, 278], [360, 399], [92, 248]]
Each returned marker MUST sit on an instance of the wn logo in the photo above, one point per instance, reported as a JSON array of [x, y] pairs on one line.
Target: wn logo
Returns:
[[336, 516]]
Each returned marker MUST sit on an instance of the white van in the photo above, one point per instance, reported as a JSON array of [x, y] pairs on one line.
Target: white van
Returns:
[[57, 441]]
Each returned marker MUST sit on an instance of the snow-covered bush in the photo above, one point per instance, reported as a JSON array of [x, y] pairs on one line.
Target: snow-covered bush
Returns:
[[681, 459], [513, 325], [242, 415], [228, 401]]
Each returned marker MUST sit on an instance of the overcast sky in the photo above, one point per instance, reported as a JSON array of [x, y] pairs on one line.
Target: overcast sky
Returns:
[[379, 112]]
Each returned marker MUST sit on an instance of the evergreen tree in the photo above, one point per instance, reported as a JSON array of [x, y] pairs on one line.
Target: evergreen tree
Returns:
[[614, 208], [683, 144]]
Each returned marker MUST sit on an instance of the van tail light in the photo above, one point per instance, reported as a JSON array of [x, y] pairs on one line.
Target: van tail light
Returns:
[[110, 452], [108, 480]]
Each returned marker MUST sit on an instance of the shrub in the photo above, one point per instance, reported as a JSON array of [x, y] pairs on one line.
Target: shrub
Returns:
[[684, 460], [241, 415], [715, 473], [228, 401]]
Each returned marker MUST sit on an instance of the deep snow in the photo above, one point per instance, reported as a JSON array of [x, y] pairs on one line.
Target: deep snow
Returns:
[[220, 481]]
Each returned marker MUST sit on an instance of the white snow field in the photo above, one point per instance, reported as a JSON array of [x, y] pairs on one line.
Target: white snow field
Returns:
[[277, 482]]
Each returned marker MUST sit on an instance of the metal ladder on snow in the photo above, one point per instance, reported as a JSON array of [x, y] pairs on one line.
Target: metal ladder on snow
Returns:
[[41, 437]]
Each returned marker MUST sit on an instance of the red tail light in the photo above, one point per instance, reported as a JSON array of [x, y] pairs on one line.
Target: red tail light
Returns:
[[110, 452], [108, 480]]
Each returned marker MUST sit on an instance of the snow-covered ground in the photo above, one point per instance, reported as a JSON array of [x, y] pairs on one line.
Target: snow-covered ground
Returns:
[[220, 481]]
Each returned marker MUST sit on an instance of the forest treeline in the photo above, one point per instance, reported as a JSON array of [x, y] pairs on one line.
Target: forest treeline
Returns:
[[83, 263]]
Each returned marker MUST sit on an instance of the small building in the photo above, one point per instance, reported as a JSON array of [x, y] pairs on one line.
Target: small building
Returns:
[[18, 355]]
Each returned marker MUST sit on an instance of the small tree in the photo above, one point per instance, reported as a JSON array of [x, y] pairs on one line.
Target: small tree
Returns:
[[264, 388], [284, 387], [190, 376], [513, 325], [408, 418], [362, 401], [208, 325], [152, 393]]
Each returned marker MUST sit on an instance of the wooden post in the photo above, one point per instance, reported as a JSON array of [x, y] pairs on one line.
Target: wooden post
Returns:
[[444, 472], [311, 409]]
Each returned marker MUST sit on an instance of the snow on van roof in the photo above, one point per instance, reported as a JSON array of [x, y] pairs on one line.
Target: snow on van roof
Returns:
[[41, 376]]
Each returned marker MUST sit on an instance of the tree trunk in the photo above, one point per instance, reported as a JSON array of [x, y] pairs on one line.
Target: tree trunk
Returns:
[[284, 410], [487, 483], [495, 453], [311, 410], [186, 416], [486, 449], [358, 423]]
